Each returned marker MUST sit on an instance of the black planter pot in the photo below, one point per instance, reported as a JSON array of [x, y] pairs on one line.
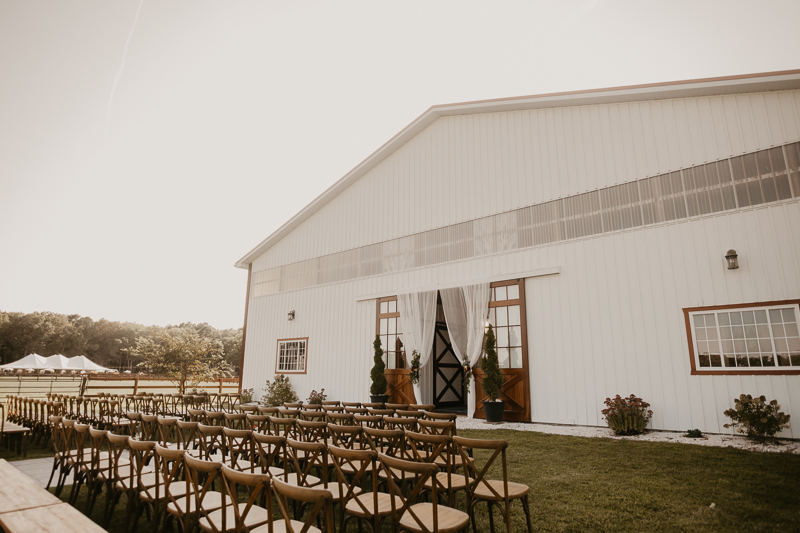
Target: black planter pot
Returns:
[[379, 398], [494, 411]]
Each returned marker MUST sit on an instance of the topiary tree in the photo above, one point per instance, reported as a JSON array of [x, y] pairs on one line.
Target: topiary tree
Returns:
[[379, 383], [490, 365]]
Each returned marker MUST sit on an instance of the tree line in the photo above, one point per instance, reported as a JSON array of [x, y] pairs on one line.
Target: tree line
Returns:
[[117, 345]]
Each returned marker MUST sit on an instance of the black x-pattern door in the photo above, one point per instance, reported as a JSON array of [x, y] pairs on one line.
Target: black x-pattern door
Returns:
[[446, 363]]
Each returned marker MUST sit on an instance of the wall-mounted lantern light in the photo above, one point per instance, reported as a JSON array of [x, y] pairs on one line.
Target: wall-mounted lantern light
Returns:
[[732, 259], [291, 315]]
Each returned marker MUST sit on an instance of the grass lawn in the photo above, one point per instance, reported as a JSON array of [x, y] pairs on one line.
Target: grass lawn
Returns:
[[583, 484]]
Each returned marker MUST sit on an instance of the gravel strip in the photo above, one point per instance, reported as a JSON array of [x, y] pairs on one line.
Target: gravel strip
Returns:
[[723, 441]]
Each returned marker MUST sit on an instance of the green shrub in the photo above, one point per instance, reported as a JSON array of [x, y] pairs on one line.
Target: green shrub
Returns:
[[493, 382], [694, 433], [379, 383], [413, 376], [279, 392], [754, 416], [627, 416]]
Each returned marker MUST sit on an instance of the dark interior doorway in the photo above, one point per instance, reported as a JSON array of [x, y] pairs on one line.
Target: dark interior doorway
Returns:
[[448, 383]]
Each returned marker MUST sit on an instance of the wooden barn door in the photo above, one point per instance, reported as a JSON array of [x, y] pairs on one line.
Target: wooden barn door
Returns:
[[507, 316], [397, 372]]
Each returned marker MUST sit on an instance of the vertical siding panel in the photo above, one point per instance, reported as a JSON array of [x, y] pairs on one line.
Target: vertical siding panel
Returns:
[[788, 115], [707, 130], [648, 139], [772, 117], [719, 124], [748, 127], [759, 114]]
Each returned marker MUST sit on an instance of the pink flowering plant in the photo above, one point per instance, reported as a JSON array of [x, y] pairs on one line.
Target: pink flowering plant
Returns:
[[756, 417], [316, 398], [627, 416]]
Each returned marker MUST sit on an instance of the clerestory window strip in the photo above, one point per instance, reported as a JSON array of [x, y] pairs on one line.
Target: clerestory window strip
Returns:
[[756, 178]]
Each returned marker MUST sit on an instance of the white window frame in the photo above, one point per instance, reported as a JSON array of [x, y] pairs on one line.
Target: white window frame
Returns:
[[739, 370], [302, 345]]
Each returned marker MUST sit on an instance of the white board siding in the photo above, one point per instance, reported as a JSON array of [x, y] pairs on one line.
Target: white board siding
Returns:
[[610, 323], [464, 167]]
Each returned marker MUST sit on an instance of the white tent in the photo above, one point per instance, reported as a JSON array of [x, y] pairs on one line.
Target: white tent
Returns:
[[32, 361], [80, 362], [55, 362]]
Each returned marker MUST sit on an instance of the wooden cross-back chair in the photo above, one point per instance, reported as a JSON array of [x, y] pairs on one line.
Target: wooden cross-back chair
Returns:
[[202, 499], [496, 493], [439, 450], [344, 419], [437, 427], [169, 469], [369, 421], [187, 435], [355, 469], [320, 499], [209, 439], [272, 453], [305, 457], [414, 516], [257, 422], [283, 426], [239, 449], [312, 431], [236, 515]]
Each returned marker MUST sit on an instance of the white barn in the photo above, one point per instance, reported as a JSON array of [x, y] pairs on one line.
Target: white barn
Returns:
[[601, 219]]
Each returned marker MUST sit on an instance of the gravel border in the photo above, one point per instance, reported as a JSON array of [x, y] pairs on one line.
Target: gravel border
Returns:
[[721, 441]]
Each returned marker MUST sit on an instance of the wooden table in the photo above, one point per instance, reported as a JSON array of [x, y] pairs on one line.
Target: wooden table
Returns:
[[59, 518], [19, 492]]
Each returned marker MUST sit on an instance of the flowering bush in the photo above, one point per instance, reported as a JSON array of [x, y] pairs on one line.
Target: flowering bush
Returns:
[[627, 416], [246, 396], [414, 375], [756, 417], [316, 398], [278, 392]]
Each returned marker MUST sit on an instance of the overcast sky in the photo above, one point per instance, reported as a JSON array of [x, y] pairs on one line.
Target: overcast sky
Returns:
[[147, 146]]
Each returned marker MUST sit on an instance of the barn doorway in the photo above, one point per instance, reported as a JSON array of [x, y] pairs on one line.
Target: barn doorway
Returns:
[[449, 393]]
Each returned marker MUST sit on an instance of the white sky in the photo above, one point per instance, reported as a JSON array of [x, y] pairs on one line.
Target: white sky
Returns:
[[229, 117]]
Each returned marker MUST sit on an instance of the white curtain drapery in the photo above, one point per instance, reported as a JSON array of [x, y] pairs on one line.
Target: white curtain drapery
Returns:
[[465, 311], [417, 324]]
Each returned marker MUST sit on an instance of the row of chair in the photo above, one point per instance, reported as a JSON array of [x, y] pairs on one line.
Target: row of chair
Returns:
[[337, 461]]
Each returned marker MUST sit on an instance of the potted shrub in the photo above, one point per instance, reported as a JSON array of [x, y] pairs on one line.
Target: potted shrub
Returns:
[[379, 384], [493, 406]]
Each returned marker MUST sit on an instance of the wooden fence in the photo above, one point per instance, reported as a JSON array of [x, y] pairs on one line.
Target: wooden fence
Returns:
[[38, 385]]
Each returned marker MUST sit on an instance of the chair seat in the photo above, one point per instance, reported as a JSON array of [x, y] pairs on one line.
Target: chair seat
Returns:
[[293, 479], [176, 490], [279, 526], [213, 522], [457, 481], [148, 480], [347, 469], [367, 500], [186, 505], [449, 519], [515, 490], [334, 489]]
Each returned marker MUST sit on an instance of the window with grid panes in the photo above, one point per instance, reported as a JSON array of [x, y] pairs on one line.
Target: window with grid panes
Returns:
[[506, 319], [387, 328], [752, 338], [291, 357]]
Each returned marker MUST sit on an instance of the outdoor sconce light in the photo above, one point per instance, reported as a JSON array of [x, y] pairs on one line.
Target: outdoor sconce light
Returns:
[[291, 315], [732, 259]]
